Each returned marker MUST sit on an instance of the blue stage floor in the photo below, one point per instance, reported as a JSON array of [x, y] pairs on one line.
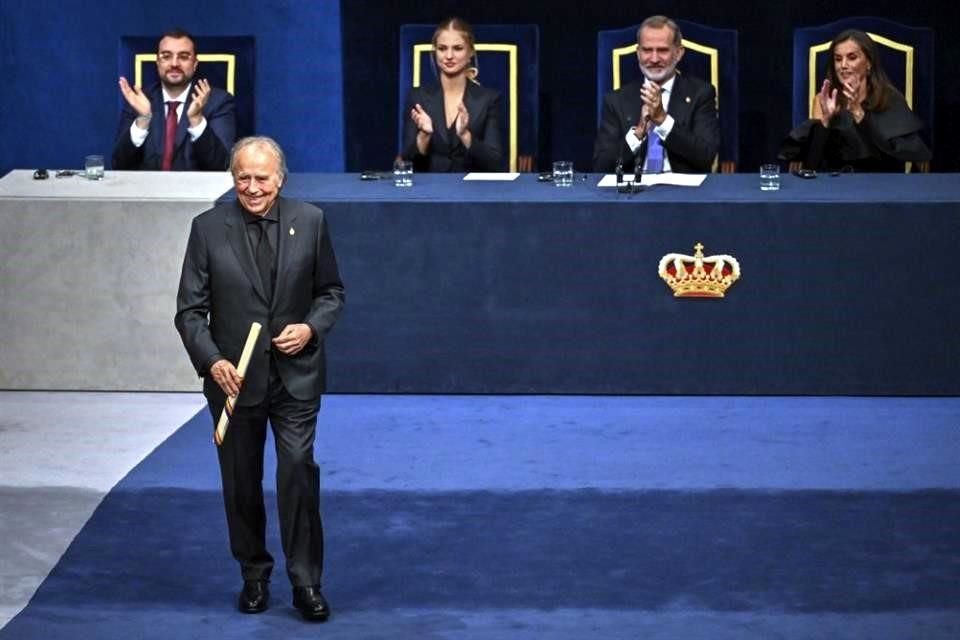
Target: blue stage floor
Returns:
[[555, 517]]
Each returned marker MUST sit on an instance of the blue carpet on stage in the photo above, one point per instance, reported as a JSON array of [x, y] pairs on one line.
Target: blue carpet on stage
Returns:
[[554, 517]]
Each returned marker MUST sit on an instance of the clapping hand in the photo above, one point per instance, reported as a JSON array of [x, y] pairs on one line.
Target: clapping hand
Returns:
[[852, 92], [643, 124], [201, 95], [650, 93], [421, 119], [462, 125], [463, 119], [135, 98], [827, 98]]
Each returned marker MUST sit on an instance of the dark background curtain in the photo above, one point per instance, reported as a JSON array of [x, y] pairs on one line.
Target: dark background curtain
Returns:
[[568, 40]]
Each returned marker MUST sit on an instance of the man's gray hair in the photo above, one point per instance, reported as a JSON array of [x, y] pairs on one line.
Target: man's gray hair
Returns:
[[260, 141], [659, 22]]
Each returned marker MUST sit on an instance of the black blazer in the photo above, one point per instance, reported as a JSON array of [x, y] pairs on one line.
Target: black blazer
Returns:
[[446, 153], [693, 142], [221, 294], [209, 152]]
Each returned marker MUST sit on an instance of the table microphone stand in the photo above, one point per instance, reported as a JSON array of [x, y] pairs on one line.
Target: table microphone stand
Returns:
[[635, 186]]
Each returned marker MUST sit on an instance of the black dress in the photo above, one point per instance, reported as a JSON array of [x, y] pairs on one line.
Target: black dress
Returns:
[[881, 142]]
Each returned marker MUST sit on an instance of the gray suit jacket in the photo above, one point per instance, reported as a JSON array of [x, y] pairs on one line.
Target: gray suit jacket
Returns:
[[221, 294], [693, 142]]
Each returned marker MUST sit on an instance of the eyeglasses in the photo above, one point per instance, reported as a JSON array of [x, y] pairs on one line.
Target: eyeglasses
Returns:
[[168, 56]]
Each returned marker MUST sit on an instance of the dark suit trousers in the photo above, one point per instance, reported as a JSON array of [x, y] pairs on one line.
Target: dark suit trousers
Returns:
[[298, 484]]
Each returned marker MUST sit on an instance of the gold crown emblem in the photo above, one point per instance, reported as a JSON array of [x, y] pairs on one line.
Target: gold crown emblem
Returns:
[[697, 276]]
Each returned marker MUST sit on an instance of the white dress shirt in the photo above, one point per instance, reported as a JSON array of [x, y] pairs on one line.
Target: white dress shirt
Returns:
[[138, 136]]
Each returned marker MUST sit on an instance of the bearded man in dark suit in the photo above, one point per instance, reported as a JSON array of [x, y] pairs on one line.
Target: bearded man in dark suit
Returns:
[[679, 110], [180, 123], [263, 258]]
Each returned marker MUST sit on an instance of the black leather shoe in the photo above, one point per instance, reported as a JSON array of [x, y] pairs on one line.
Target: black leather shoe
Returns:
[[311, 603], [254, 597]]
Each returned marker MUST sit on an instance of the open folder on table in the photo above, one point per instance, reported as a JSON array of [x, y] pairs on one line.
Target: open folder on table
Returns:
[[648, 179]]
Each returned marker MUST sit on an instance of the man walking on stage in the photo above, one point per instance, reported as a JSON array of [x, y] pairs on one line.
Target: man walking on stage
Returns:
[[263, 258]]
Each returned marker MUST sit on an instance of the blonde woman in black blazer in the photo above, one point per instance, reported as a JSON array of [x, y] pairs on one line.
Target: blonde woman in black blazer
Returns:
[[453, 126]]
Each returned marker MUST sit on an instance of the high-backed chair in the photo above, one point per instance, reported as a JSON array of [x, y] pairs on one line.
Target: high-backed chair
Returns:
[[508, 58], [711, 55], [228, 62], [906, 52]]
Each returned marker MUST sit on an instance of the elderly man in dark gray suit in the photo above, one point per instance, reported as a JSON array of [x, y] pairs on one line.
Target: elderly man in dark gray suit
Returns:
[[263, 258], [669, 121]]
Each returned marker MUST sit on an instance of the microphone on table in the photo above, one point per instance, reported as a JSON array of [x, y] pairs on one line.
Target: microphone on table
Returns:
[[623, 187], [618, 168], [638, 165], [641, 156], [636, 187]]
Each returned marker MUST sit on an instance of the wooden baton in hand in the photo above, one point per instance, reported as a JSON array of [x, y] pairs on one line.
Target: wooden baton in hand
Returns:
[[245, 356]]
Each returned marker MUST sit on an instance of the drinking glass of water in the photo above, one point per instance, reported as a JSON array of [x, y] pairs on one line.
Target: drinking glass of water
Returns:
[[769, 177], [563, 173], [93, 167], [403, 173]]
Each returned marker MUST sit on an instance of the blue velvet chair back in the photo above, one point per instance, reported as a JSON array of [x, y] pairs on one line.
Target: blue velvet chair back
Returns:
[[228, 62], [508, 57], [906, 53], [711, 54]]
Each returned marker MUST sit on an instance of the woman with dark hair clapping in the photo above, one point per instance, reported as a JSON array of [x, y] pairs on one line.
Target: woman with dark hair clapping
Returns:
[[860, 121]]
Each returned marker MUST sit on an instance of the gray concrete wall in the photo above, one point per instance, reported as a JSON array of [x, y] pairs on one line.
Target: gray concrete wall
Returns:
[[88, 293]]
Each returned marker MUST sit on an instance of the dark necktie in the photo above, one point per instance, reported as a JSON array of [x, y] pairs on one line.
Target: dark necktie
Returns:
[[265, 256], [169, 135]]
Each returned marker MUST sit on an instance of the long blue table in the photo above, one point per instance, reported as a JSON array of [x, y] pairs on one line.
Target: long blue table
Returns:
[[848, 286]]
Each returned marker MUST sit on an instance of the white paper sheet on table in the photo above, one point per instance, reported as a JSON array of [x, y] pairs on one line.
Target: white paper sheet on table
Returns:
[[648, 179], [492, 176]]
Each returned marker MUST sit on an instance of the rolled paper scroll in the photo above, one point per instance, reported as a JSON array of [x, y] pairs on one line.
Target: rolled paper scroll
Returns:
[[245, 356]]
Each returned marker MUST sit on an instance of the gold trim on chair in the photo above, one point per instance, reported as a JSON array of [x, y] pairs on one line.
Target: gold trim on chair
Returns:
[[229, 59], [512, 52], [710, 52]]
